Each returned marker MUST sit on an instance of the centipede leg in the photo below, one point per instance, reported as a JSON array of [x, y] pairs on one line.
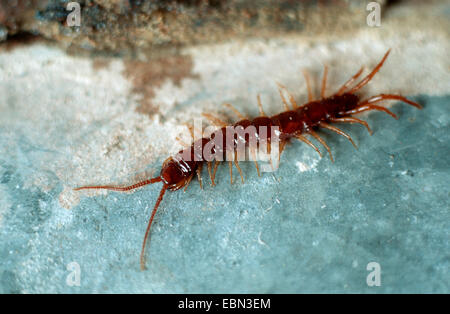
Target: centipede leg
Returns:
[[352, 120], [237, 112], [230, 165], [291, 97], [338, 131], [237, 166], [181, 142], [253, 152], [199, 175], [260, 107], [321, 141], [147, 231], [191, 130], [324, 82], [266, 149], [349, 82], [209, 165], [382, 97], [257, 167], [305, 140], [282, 146], [367, 79], [308, 85], [269, 152], [371, 107], [216, 165], [214, 119], [188, 182], [286, 106]]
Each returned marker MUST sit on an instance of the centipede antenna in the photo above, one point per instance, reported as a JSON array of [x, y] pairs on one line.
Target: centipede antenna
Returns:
[[366, 80], [118, 188], [158, 201]]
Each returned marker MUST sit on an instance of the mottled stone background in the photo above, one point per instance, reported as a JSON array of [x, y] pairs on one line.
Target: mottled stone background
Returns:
[[110, 111], [161, 26]]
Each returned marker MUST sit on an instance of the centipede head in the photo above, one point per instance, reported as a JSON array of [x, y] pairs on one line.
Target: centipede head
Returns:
[[176, 173]]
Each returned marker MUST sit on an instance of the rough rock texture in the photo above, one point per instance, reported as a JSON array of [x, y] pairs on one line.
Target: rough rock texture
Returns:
[[311, 226], [124, 26]]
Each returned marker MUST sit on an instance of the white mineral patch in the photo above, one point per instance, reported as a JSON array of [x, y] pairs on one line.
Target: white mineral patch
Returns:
[[306, 166]]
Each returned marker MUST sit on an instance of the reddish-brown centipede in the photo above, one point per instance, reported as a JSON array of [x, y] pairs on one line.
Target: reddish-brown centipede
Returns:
[[178, 171]]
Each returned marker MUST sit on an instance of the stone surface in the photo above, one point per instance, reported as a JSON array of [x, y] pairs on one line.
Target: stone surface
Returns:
[[311, 226], [157, 26]]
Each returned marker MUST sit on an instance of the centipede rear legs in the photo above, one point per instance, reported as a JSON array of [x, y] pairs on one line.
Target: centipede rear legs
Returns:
[[352, 120], [368, 104]]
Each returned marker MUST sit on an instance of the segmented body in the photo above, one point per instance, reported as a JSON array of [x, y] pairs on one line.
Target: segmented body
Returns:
[[295, 122], [176, 172]]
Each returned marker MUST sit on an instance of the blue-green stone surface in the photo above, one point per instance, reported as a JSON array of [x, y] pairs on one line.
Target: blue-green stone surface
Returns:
[[311, 226]]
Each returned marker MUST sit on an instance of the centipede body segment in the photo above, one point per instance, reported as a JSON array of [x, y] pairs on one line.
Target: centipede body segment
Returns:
[[296, 122]]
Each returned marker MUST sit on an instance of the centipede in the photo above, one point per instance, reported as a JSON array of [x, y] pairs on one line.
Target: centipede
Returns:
[[296, 122]]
